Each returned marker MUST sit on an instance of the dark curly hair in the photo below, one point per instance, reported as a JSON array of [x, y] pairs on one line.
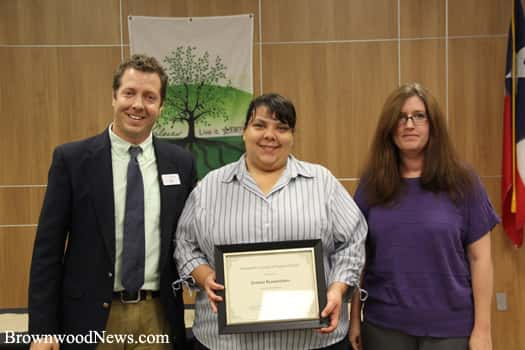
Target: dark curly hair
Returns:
[[280, 105]]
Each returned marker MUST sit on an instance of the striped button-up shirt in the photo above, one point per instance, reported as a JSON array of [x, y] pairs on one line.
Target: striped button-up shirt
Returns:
[[307, 202]]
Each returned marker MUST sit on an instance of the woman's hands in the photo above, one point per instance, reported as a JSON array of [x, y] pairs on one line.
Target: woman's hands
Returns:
[[481, 269], [210, 286], [355, 334], [204, 275], [334, 301], [480, 340], [355, 322]]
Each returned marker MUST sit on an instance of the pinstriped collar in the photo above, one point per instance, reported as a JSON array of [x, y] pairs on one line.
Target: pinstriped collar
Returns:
[[293, 169]]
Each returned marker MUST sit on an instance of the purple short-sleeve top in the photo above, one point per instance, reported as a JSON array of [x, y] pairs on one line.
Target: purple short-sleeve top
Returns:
[[417, 272]]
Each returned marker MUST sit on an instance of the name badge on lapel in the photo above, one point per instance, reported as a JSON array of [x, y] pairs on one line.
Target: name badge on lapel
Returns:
[[170, 179]]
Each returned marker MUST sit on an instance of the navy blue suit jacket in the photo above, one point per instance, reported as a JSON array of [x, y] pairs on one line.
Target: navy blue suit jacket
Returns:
[[71, 279]]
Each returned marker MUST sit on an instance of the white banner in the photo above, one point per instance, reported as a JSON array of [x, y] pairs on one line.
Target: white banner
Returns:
[[209, 64]]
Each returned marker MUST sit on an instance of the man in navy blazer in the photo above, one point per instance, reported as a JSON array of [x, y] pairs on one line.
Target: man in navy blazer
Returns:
[[75, 286]]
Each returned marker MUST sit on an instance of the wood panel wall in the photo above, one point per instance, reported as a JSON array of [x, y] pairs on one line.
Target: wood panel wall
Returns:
[[336, 59]]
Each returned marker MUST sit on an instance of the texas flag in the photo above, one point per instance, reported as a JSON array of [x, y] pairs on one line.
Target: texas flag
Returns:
[[513, 181]]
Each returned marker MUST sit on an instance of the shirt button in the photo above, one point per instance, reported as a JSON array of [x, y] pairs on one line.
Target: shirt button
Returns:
[[105, 305], [110, 274]]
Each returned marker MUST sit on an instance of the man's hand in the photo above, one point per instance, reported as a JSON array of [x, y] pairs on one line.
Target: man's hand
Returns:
[[45, 344]]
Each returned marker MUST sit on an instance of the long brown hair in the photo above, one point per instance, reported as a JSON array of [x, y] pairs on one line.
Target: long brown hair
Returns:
[[442, 169]]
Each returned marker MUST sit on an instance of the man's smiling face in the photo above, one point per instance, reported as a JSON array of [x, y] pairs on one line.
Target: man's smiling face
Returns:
[[136, 105]]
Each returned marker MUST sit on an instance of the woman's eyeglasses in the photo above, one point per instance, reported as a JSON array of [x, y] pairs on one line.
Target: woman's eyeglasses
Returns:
[[418, 118]]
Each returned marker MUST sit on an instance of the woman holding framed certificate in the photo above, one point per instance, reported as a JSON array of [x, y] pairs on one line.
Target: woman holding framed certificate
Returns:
[[271, 223], [428, 267]]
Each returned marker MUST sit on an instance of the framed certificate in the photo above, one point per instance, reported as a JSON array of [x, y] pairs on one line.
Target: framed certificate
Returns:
[[270, 286]]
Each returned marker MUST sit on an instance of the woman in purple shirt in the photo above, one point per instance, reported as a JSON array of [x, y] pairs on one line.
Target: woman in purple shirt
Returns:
[[428, 272]]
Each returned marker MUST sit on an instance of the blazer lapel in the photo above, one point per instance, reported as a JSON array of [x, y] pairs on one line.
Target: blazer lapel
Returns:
[[166, 164], [102, 189]]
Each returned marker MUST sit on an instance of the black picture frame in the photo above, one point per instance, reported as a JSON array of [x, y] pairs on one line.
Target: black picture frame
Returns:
[[278, 324]]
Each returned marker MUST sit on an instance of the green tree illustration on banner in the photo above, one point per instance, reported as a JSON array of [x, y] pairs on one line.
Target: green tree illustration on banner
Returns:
[[202, 111]]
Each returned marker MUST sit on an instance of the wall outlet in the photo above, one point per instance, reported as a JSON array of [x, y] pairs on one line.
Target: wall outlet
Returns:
[[501, 301]]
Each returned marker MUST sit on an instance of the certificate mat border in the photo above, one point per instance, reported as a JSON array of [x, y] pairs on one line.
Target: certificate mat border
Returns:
[[267, 256], [265, 326]]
